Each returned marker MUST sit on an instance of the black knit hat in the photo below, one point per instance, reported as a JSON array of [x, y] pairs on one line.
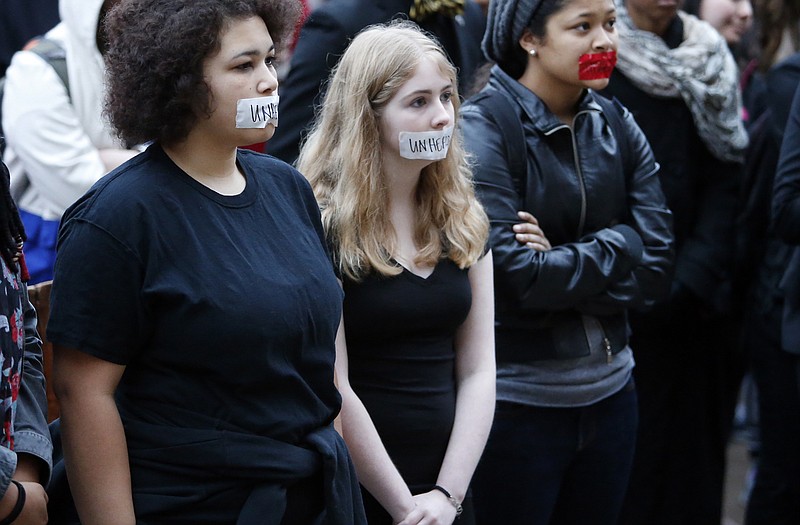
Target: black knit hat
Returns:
[[506, 22]]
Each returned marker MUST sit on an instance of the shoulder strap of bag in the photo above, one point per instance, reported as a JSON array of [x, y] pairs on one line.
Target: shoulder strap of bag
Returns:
[[499, 108], [615, 116], [53, 54]]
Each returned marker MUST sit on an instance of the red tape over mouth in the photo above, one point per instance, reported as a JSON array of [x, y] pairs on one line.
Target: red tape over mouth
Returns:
[[596, 65]]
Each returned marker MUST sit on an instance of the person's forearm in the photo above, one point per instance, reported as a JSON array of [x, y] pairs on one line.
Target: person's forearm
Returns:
[[8, 500], [29, 468], [375, 469], [96, 457], [474, 414]]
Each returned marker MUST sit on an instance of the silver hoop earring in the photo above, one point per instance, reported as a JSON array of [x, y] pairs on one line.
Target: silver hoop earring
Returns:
[[532, 52]]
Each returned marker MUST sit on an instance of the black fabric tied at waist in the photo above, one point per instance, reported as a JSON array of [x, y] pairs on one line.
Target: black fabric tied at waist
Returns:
[[222, 460]]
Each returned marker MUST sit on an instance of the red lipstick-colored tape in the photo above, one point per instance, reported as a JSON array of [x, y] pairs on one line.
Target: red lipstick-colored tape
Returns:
[[596, 65]]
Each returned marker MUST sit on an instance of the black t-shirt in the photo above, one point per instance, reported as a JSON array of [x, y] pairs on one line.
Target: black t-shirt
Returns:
[[223, 308]]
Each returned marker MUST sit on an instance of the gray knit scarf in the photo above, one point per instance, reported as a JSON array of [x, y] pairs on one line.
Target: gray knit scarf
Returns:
[[701, 70]]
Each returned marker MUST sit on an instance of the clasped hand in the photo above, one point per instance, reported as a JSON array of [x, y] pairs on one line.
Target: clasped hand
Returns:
[[430, 508], [530, 234]]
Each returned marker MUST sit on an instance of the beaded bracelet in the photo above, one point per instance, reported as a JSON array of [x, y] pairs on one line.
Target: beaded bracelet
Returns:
[[454, 501], [17, 510]]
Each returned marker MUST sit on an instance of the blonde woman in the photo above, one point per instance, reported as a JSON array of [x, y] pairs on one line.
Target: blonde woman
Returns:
[[415, 351]]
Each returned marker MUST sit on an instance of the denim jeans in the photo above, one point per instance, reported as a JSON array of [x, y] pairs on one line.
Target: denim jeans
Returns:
[[557, 465]]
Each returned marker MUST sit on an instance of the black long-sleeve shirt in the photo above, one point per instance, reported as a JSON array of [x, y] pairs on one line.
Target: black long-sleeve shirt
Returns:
[[701, 190]]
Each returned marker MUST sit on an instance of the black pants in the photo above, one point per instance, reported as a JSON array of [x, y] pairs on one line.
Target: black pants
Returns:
[[688, 371], [775, 499], [557, 465]]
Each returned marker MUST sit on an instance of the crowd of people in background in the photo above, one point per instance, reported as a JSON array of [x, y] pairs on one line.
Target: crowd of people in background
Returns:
[[505, 261]]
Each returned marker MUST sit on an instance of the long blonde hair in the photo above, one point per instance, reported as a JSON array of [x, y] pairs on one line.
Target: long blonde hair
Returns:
[[342, 160]]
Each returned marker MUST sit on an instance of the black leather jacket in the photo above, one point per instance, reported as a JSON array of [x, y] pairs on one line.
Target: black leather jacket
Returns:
[[611, 232]]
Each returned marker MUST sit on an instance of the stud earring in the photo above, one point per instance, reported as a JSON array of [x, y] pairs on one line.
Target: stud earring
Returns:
[[532, 52]]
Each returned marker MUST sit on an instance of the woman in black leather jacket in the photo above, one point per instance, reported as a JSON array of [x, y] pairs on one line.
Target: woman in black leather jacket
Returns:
[[580, 233]]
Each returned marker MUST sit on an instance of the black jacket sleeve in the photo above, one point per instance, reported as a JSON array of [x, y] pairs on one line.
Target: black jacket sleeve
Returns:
[[563, 277], [651, 218], [786, 196]]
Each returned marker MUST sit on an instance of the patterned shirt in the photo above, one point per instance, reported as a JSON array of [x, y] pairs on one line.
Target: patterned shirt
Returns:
[[12, 349]]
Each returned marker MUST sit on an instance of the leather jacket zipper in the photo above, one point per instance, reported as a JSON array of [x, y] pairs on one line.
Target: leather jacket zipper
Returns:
[[581, 183], [606, 341], [598, 326], [582, 223], [578, 170]]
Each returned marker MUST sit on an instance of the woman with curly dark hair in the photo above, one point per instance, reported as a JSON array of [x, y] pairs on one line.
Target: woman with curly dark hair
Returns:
[[194, 308]]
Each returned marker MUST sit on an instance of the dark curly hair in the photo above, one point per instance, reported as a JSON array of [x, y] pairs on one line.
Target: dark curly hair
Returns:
[[154, 63], [12, 232]]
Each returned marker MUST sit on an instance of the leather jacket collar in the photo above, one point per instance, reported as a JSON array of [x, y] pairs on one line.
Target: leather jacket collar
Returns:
[[540, 116]]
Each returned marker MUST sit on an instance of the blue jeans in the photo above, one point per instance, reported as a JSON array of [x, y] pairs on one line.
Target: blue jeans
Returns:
[[557, 465]]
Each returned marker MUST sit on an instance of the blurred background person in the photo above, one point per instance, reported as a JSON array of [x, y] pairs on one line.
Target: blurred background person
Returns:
[[21, 20], [733, 19], [57, 141], [680, 81], [768, 82], [775, 495], [786, 215]]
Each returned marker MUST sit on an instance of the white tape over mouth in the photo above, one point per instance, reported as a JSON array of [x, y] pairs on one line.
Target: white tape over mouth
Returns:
[[257, 112], [427, 145]]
